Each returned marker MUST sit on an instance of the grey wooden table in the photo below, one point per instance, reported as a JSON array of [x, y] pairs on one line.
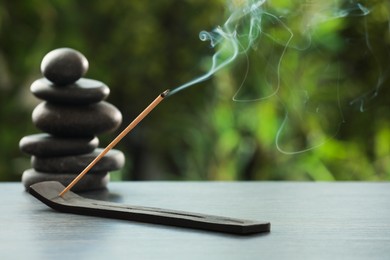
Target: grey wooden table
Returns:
[[309, 221]]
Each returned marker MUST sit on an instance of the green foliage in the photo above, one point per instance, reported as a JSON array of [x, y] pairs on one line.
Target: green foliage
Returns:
[[310, 98]]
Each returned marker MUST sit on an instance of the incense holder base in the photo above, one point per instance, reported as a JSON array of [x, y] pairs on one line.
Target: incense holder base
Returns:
[[48, 193]]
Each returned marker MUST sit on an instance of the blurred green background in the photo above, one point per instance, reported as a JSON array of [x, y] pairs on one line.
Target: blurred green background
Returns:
[[309, 100]]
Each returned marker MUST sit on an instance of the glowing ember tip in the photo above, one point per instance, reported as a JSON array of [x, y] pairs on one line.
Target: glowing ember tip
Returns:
[[165, 93]]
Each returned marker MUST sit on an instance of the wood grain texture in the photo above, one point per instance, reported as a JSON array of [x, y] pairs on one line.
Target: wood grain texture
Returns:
[[309, 221]]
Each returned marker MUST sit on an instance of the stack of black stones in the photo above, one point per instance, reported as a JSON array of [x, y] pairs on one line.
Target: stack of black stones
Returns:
[[72, 114]]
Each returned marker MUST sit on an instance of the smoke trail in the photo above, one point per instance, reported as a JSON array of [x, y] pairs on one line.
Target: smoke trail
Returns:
[[313, 89], [233, 39], [324, 80], [227, 38]]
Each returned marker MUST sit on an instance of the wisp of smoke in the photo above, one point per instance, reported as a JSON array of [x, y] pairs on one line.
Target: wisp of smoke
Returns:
[[226, 39], [250, 26]]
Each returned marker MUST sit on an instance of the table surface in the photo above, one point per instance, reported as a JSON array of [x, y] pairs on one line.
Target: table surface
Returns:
[[309, 220]]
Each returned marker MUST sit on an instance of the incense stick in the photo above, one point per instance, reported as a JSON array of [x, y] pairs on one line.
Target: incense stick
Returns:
[[114, 142]]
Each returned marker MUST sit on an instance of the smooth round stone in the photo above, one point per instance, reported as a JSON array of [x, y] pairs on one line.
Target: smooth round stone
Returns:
[[44, 145], [83, 91], [93, 181], [113, 160], [64, 66], [76, 121]]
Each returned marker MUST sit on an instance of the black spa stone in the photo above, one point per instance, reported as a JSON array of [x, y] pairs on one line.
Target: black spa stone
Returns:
[[64, 66], [76, 121], [90, 181], [113, 160], [83, 91], [45, 145]]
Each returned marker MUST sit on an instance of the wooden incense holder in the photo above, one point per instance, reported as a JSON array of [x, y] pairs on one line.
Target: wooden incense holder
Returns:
[[48, 193]]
